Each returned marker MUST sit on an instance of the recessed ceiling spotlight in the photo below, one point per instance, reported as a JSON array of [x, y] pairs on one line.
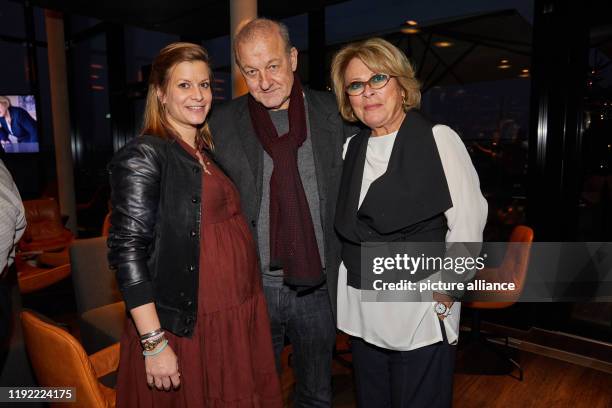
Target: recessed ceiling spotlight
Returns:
[[411, 22], [443, 44], [410, 30], [504, 66]]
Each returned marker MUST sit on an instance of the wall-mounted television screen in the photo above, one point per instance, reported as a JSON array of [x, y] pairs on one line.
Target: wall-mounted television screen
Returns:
[[18, 126]]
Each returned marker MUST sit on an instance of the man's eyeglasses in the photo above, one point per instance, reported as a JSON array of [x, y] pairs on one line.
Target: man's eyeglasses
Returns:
[[377, 81]]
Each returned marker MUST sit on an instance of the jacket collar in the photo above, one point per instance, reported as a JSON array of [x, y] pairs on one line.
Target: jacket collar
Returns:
[[174, 144]]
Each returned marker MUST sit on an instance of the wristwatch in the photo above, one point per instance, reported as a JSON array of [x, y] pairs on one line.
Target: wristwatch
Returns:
[[441, 309]]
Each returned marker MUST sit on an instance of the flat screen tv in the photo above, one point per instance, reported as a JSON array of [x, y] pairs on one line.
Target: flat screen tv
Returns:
[[18, 125]]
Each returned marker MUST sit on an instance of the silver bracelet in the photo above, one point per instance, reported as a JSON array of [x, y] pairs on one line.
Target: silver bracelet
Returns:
[[150, 334]]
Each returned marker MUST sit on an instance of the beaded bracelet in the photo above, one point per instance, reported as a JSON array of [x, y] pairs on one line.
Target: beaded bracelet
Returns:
[[164, 344], [152, 342]]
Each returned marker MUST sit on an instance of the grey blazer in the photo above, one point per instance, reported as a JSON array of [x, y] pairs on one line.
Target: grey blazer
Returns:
[[239, 152]]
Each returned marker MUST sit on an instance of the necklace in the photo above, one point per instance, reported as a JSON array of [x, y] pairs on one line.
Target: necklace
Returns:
[[204, 163]]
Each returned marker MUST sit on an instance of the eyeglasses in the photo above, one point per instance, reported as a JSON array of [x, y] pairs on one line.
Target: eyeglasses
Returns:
[[377, 81]]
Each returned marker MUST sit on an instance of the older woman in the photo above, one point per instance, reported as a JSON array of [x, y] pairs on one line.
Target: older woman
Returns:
[[404, 179], [186, 263]]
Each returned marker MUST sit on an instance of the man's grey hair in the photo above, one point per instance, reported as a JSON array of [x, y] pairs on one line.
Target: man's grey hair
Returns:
[[258, 27]]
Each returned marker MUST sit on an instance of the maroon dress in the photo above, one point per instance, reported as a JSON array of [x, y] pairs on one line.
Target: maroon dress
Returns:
[[228, 362]]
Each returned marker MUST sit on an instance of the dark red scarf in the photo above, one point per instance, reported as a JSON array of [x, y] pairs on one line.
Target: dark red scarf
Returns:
[[293, 245]]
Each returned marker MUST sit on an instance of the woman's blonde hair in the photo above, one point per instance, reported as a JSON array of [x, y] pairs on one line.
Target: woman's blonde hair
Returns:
[[155, 121], [5, 101], [380, 56]]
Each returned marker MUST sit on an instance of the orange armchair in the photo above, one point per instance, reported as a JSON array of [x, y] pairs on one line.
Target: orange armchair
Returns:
[[45, 230], [480, 355], [512, 269], [60, 361], [32, 278]]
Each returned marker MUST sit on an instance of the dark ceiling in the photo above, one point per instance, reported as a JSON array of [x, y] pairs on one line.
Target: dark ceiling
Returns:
[[194, 19], [478, 48]]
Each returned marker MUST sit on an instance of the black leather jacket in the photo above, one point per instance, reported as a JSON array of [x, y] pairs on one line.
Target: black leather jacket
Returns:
[[154, 240]]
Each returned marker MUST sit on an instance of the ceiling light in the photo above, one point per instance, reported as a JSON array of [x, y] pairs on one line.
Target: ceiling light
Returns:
[[525, 70], [410, 30], [504, 66], [504, 61], [443, 44], [411, 22]]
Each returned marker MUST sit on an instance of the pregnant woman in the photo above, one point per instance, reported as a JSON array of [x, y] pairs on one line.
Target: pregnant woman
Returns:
[[186, 263]]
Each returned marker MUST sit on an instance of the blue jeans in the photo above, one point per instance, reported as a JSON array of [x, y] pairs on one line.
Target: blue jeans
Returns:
[[306, 319]]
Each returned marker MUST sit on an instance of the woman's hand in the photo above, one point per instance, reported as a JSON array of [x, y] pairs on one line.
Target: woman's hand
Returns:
[[162, 370]]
